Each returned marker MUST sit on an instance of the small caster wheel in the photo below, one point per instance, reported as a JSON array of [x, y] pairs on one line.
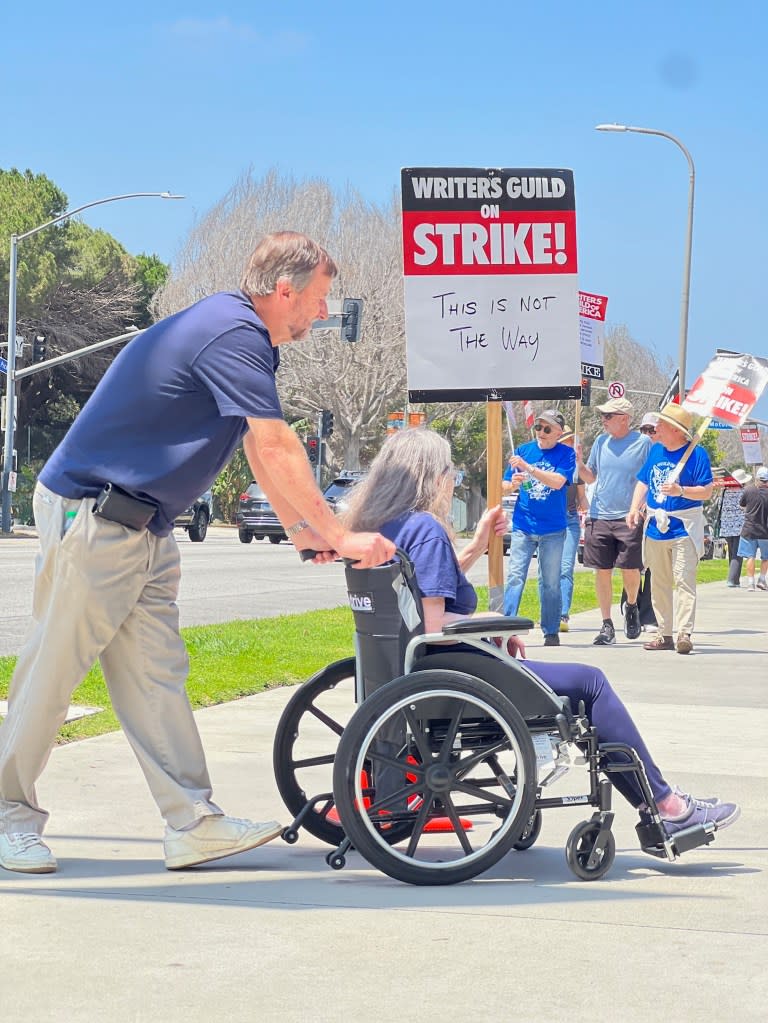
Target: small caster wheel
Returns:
[[531, 832], [335, 861], [578, 851], [290, 835]]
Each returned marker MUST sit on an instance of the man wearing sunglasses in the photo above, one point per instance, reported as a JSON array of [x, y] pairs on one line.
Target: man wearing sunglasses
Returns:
[[540, 471], [609, 542]]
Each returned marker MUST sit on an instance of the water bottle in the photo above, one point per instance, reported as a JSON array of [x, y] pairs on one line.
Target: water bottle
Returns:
[[69, 518], [527, 483]]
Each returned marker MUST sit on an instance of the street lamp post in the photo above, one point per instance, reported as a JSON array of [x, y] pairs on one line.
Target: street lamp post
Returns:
[[683, 342], [10, 407]]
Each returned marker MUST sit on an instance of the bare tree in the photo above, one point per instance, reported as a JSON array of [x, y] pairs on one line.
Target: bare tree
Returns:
[[357, 382]]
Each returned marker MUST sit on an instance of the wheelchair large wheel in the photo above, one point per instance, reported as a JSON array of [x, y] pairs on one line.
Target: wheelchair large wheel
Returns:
[[439, 744], [305, 744]]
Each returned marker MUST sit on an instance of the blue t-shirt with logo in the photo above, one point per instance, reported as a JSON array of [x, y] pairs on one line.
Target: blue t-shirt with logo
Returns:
[[428, 545], [697, 472], [171, 409], [539, 509], [616, 461]]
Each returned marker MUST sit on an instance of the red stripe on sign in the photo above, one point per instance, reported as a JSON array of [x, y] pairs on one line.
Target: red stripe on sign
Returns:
[[592, 306], [733, 404], [518, 242]]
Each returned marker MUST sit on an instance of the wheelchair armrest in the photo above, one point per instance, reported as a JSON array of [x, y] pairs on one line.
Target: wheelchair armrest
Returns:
[[490, 625]]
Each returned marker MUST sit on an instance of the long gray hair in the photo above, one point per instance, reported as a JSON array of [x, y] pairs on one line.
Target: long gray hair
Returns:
[[406, 475]]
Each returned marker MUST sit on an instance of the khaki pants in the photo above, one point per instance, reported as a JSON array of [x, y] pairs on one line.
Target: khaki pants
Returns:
[[673, 565], [103, 591]]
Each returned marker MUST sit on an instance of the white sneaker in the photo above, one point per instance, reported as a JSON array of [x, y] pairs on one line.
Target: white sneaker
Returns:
[[27, 853], [761, 583], [215, 837], [750, 584]]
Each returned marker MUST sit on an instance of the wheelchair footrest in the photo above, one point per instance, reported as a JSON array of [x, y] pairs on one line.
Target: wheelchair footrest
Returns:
[[690, 838], [653, 838]]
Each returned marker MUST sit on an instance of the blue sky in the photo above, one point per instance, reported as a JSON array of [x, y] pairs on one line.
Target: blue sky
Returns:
[[161, 95]]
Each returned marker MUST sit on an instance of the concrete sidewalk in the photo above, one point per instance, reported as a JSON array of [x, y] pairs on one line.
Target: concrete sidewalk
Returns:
[[276, 935]]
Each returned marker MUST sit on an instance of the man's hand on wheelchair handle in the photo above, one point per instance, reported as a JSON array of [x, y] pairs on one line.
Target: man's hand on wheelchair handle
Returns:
[[362, 550], [366, 550]]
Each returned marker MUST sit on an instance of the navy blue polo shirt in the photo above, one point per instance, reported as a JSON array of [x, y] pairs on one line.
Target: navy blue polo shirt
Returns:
[[171, 409]]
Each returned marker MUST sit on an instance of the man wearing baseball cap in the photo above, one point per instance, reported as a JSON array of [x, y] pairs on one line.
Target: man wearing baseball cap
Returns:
[[609, 542], [754, 532], [541, 471], [674, 482]]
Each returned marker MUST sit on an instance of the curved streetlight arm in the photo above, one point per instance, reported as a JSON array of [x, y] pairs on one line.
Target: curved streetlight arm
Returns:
[[683, 342], [97, 202]]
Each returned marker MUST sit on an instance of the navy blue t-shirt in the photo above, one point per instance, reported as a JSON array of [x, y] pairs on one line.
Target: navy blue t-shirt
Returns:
[[427, 544], [171, 409]]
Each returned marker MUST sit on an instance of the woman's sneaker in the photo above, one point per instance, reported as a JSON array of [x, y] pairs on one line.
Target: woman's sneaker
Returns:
[[699, 812], [27, 853]]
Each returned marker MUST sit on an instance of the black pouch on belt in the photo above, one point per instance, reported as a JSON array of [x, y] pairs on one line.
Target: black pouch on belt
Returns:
[[116, 505]]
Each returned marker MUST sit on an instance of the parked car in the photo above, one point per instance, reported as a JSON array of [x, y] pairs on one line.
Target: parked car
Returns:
[[196, 518], [337, 491], [255, 517]]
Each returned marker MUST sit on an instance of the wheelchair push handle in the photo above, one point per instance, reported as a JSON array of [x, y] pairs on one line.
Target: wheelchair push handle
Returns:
[[309, 554], [406, 564]]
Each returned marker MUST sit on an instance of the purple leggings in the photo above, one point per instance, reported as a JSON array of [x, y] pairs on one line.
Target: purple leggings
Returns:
[[608, 715]]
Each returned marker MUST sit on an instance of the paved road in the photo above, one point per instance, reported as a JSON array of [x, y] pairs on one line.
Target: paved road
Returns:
[[222, 579]]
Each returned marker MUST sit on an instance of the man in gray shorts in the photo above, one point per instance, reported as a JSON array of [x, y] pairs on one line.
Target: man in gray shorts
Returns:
[[609, 543]]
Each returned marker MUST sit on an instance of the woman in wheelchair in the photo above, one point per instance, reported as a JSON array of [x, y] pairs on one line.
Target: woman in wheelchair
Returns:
[[407, 497]]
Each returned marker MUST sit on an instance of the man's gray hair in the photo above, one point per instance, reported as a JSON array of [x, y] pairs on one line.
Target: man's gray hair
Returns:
[[406, 476], [288, 255]]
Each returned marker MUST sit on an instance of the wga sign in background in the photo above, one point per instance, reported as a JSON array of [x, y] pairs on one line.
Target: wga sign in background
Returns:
[[491, 291]]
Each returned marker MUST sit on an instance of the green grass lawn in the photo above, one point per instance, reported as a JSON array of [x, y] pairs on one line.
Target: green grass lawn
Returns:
[[245, 657]]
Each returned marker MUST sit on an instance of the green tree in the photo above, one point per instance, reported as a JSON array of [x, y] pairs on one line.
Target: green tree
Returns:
[[230, 484], [26, 201], [151, 274]]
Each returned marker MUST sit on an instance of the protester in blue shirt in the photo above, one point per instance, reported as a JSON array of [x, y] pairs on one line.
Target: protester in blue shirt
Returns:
[[407, 496], [673, 483], [164, 420], [540, 471], [609, 543]]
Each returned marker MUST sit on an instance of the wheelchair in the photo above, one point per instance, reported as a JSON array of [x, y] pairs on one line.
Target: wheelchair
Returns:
[[431, 754]]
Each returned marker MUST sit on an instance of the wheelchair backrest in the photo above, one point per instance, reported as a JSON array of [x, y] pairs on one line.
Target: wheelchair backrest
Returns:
[[388, 613]]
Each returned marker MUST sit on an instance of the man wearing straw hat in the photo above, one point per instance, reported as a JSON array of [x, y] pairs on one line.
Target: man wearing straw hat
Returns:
[[674, 483]]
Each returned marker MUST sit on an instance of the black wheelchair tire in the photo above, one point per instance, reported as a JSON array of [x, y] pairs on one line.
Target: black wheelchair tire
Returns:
[[374, 845], [288, 728], [579, 847], [531, 832]]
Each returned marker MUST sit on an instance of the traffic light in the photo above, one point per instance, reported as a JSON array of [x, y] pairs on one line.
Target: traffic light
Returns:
[[40, 348], [313, 449], [586, 391], [351, 313], [326, 423]]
